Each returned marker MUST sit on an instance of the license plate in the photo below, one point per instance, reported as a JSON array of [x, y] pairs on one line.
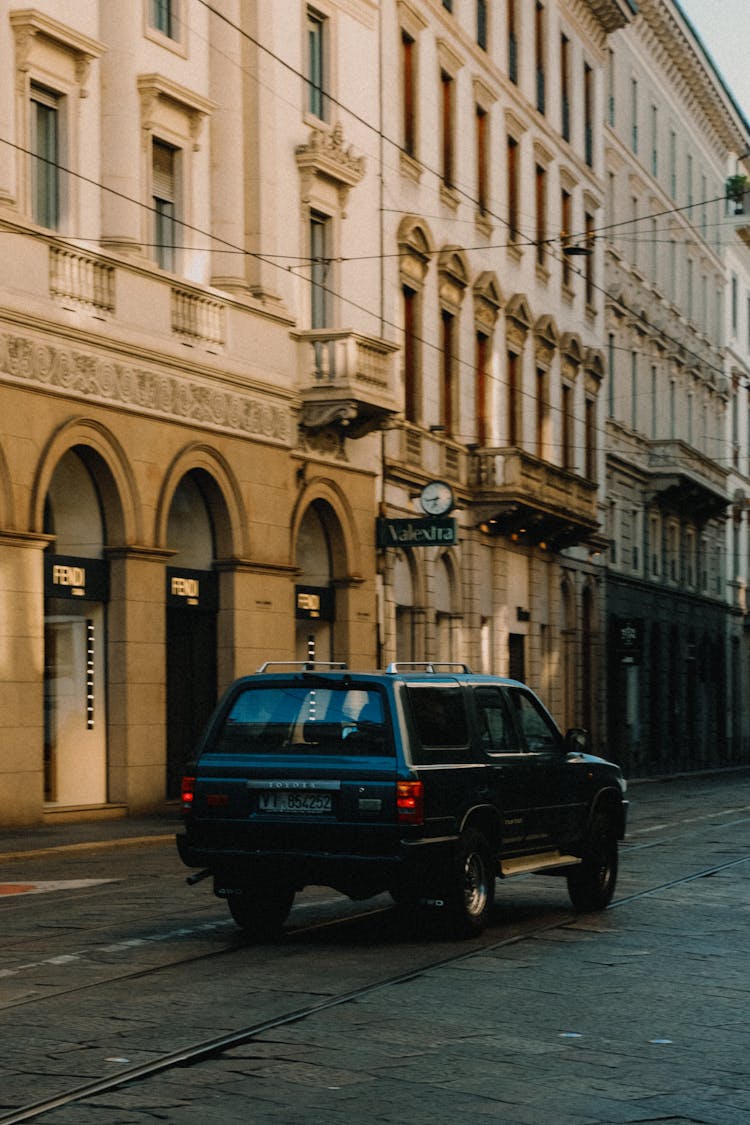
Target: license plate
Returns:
[[289, 801]]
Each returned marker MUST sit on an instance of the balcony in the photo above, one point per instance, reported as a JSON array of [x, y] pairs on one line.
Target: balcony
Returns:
[[197, 319], [531, 501], [81, 281], [686, 482], [347, 381]]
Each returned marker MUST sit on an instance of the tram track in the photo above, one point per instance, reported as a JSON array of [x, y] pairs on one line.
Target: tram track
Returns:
[[212, 1047]]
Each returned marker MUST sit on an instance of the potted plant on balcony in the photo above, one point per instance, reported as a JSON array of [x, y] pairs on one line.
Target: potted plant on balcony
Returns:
[[735, 189]]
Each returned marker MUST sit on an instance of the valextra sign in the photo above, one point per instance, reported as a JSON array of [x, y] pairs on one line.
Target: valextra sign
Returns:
[[417, 533]]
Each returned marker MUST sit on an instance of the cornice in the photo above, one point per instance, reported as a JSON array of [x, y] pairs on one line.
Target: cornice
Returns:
[[613, 14], [29, 24], [701, 80]]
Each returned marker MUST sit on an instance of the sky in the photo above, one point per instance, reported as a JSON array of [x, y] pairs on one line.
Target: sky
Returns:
[[724, 27]]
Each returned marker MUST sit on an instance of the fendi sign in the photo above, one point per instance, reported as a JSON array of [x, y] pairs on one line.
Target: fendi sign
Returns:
[[68, 576], [191, 589], [314, 603]]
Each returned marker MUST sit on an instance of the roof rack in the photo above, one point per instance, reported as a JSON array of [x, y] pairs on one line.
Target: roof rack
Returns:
[[428, 666], [304, 665]]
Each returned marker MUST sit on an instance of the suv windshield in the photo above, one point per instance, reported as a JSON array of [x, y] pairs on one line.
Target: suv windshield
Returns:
[[290, 719]]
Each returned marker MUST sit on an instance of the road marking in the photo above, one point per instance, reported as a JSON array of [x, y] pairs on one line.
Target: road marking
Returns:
[[694, 819], [119, 947], [50, 885]]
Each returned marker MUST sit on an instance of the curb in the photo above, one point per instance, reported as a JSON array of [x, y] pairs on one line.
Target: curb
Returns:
[[87, 846]]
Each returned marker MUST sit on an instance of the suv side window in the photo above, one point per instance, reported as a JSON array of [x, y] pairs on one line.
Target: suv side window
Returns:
[[441, 726], [495, 724], [536, 727]]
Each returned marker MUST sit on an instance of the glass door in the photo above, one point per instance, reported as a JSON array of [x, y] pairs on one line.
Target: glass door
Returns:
[[75, 744]]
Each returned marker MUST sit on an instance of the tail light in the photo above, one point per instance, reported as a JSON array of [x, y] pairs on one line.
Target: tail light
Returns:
[[187, 792], [410, 802]]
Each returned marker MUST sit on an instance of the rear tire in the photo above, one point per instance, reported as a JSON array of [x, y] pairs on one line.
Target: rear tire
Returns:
[[261, 911], [591, 885], [472, 894]]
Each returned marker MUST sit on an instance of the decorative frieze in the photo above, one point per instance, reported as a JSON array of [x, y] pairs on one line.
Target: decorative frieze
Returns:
[[86, 375]]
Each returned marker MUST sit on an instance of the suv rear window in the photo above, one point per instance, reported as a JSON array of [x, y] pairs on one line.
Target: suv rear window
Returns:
[[440, 723], [289, 719]]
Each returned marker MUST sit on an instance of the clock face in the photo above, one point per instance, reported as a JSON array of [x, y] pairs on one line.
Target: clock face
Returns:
[[436, 498]]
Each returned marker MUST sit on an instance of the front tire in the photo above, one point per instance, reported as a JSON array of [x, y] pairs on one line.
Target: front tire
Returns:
[[261, 911], [591, 885], [472, 894]]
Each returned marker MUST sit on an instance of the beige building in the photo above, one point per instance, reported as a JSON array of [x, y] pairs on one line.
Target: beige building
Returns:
[[175, 506]]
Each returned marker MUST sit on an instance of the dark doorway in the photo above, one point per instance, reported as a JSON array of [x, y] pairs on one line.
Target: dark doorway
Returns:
[[191, 685], [517, 657]]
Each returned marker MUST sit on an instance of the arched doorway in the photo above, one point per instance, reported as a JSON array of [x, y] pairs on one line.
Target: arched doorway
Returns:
[[192, 606], [315, 606], [75, 622]]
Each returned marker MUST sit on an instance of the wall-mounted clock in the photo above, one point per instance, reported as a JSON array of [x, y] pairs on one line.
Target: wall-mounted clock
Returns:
[[436, 498]]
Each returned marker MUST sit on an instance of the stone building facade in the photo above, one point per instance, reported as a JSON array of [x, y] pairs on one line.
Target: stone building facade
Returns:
[[677, 661], [495, 177], [305, 345], [174, 506]]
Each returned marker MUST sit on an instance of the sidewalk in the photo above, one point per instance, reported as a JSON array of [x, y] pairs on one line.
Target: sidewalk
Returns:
[[38, 839]]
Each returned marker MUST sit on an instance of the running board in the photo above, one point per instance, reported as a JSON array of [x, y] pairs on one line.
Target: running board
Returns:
[[527, 863]]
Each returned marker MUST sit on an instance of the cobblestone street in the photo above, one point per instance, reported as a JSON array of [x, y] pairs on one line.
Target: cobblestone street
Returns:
[[634, 1015]]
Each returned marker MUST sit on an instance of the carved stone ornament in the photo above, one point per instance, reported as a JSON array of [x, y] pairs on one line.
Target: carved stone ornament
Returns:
[[327, 442], [91, 377], [326, 155]]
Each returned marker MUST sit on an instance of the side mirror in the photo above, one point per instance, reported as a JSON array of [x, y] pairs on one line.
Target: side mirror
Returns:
[[577, 741]]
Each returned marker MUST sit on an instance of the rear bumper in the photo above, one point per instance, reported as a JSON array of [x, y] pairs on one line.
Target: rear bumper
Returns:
[[416, 865]]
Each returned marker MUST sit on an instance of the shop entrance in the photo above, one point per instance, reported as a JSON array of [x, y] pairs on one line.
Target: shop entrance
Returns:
[[75, 736], [315, 609], [191, 670], [76, 581], [192, 602]]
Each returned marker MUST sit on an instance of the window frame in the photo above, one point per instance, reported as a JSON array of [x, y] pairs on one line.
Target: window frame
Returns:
[[541, 192], [409, 100], [482, 11], [512, 36], [512, 153], [449, 334], [46, 181], [447, 127], [317, 57], [483, 354], [170, 27], [482, 134], [166, 210], [321, 309], [411, 299], [540, 52], [565, 86]]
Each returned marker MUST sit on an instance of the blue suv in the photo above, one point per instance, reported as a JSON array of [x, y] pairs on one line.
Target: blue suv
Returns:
[[425, 780]]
